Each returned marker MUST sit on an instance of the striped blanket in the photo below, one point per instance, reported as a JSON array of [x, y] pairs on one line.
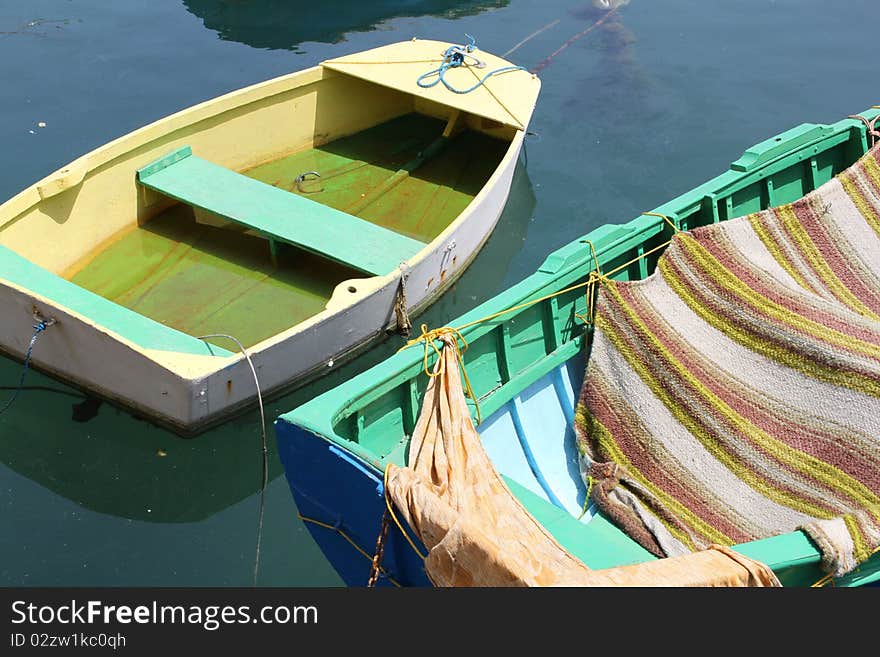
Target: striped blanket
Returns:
[[735, 393]]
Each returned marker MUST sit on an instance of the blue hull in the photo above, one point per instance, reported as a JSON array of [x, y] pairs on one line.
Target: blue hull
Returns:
[[339, 489]]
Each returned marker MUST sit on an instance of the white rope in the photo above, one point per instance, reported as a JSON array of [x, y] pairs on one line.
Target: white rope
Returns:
[[265, 480]]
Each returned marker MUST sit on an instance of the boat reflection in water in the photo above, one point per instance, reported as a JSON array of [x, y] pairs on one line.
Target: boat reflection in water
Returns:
[[106, 460], [281, 24]]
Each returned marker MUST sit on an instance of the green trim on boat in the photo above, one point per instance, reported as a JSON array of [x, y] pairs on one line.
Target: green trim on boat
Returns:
[[141, 330], [202, 279], [598, 543]]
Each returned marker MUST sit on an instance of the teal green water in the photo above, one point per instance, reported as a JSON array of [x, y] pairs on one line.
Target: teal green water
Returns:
[[658, 98]]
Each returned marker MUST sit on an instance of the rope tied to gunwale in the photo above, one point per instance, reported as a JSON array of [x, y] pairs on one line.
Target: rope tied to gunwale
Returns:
[[404, 325], [870, 125], [595, 277], [450, 337]]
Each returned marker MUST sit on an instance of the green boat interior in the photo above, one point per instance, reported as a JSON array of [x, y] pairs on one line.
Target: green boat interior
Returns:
[[205, 272]]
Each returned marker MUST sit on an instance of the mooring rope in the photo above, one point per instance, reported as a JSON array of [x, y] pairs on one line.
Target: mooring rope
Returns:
[[376, 565], [390, 510], [265, 478], [530, 37], [546, 61], [404, 325], [40, 326], [350, 541]]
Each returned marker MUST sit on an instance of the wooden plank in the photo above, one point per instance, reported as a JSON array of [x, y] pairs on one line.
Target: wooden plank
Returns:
[[279, 214]]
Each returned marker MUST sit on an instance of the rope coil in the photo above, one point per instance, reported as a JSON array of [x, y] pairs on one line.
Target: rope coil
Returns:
[[457, 56]]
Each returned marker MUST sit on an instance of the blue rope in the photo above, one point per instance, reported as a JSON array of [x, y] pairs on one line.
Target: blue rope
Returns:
[[454, 57], [39, 327]]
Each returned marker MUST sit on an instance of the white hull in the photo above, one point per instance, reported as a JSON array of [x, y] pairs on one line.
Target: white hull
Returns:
[[190, 391]]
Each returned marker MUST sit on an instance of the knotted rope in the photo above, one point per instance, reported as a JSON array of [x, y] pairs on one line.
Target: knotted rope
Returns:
[[870, 125], [428, 338]]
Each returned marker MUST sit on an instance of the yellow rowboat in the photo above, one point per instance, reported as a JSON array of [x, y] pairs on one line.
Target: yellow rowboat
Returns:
[[291, 222]]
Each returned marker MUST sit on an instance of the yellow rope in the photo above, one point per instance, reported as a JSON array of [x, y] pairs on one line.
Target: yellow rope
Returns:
[[497, 99], [603, 277], [428, 337], [822, 582], [410, 61], [587, 498], [596, 276], [350, 541], [830, 578], [394, 516], [664, 218]]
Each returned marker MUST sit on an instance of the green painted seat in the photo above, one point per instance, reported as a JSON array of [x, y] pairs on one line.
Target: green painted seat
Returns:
[[278, 214]]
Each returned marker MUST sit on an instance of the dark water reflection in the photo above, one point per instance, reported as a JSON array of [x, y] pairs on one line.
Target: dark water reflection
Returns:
[[145, 486], [283, 24]]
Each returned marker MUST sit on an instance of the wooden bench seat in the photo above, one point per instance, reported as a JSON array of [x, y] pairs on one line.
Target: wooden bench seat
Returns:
[[278, 214]]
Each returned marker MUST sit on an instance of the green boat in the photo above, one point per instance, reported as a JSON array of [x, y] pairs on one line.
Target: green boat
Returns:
[[525, 361]]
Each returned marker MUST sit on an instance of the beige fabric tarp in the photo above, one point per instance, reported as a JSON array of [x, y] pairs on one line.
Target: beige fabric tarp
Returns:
[[478, 534]]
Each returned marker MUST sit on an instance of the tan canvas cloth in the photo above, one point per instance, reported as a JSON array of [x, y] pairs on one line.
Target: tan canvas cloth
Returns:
[[478, 534]]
